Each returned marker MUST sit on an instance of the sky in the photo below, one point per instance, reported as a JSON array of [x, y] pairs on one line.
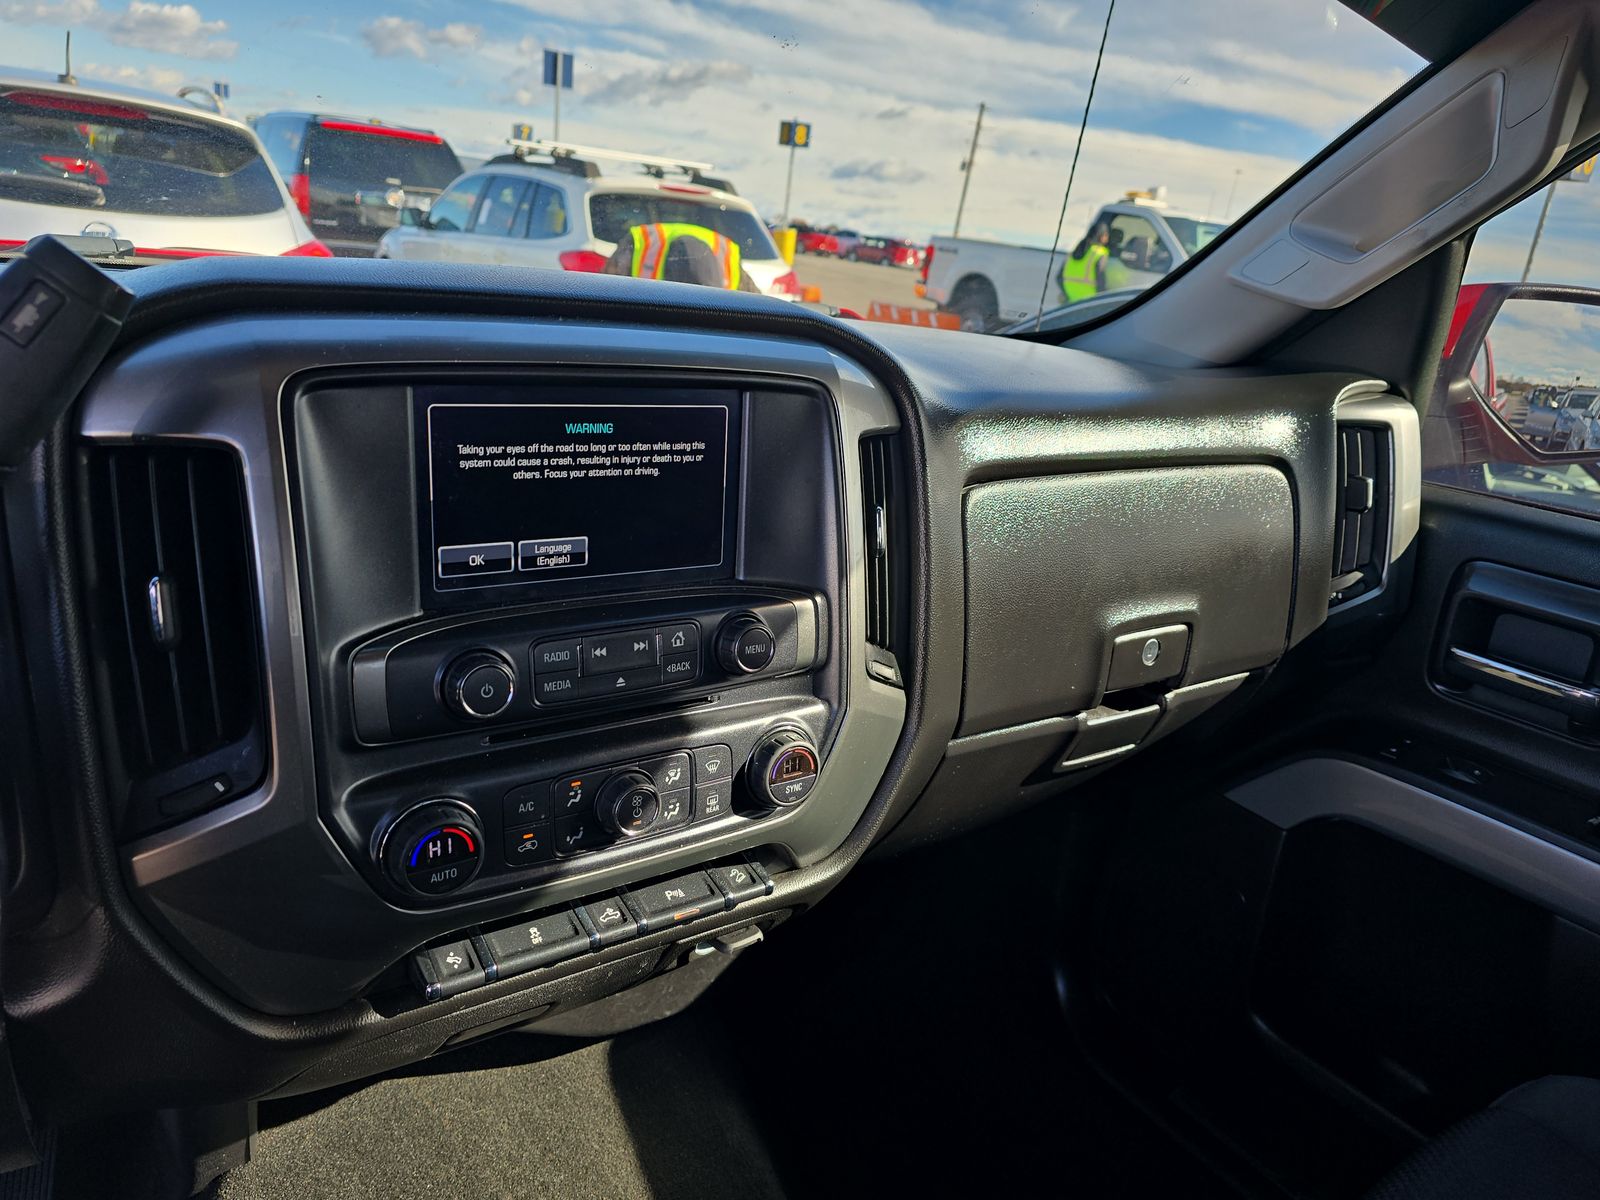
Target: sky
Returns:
[[1216, 102], [1544, 340]]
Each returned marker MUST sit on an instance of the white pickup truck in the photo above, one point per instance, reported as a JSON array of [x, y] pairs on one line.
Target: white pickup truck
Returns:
[[988, 284]]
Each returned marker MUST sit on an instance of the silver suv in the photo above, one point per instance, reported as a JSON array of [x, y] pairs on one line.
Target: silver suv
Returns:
[[547, 205]]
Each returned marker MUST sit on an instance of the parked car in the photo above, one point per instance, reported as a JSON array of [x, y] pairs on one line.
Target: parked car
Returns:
[[1577, 421], [561, 213], [1558, 424], [990, 283], [833, 243], [351, 177], [886, 251], [174, 179]]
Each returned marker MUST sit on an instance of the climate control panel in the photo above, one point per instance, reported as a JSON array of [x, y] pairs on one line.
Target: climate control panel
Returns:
[[440, 845], [592, 809]]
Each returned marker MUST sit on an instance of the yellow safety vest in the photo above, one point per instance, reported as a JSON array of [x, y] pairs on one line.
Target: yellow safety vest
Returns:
[[650, 244], [1080, 276]]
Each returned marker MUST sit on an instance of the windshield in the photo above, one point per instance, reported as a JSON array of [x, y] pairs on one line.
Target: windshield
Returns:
[[902, 159], [612, 214], [126, 158], [1194, 236]]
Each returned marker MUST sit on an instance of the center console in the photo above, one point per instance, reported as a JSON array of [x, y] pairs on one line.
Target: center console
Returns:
[[547, 611]]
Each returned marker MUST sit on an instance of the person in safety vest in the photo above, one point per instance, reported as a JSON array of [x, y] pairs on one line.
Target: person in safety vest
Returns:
[[1084, 273], [681, 253]]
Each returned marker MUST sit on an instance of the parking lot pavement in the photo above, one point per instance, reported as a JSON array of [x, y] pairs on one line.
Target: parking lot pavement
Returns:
[[857, 285]]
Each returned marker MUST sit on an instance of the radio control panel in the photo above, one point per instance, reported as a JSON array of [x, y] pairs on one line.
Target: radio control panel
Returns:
[[454, 674]]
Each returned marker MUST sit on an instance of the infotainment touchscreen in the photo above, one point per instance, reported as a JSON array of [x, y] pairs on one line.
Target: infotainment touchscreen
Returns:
[[529, 485]]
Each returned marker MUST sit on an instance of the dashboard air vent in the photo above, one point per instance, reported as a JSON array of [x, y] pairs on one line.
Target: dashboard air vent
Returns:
[[176, 602], [885, 556], [1361, 524]]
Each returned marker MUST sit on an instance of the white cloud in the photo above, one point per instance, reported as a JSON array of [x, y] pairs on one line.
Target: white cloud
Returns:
[[166, 28], [670, 83], [49, 12], [169, 28], [399, 37], [881, 170], [158, 79]]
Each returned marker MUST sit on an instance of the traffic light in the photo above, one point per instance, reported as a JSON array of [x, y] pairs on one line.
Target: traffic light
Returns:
[[794, 133], [802, 134]]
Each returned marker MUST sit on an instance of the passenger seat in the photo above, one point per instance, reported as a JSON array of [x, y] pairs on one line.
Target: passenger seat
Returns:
[[1540, 1140]]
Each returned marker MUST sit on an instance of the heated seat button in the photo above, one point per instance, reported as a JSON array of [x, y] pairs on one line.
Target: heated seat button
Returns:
[[530, 844], [739, 882], [447, 971], [536, 943], [677, 900], [612, 652], [612, 921], [712, 764]]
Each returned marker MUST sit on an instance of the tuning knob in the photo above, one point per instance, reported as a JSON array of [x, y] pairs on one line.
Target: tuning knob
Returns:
[[782, 769], [478, 685]]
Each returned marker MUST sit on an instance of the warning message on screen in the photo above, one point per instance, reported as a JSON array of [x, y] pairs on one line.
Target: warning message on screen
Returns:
[[523, 492]]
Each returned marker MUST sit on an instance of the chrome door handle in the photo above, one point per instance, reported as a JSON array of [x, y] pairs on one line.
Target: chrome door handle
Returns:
[[1572, 700]]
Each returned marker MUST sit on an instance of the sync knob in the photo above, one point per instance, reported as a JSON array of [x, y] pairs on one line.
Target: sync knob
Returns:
[[782, 769]]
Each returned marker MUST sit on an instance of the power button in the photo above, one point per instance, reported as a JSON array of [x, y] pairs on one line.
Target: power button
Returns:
[[479, 685]]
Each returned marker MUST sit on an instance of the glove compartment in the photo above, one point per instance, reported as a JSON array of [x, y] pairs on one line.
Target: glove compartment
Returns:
[[1066, 571]]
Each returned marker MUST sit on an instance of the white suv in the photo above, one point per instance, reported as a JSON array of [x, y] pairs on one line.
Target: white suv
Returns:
[[562, 214], [174, 179]]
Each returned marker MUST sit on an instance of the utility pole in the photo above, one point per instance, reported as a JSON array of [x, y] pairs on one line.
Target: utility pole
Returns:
[[1232, 188], [1538, 230], [966, 169]]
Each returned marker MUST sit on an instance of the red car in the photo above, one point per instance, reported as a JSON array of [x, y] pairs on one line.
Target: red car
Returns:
[[834, 242], [890, 252]]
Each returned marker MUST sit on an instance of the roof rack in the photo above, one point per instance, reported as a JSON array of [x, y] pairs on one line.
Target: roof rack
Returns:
[[527, 146]]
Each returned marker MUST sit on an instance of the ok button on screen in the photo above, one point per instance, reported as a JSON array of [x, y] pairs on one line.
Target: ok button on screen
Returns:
[[488, 558]]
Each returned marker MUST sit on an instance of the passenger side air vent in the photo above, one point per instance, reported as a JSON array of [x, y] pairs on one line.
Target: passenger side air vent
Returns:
[[882, 506], [175, 598], [1361, 526]]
